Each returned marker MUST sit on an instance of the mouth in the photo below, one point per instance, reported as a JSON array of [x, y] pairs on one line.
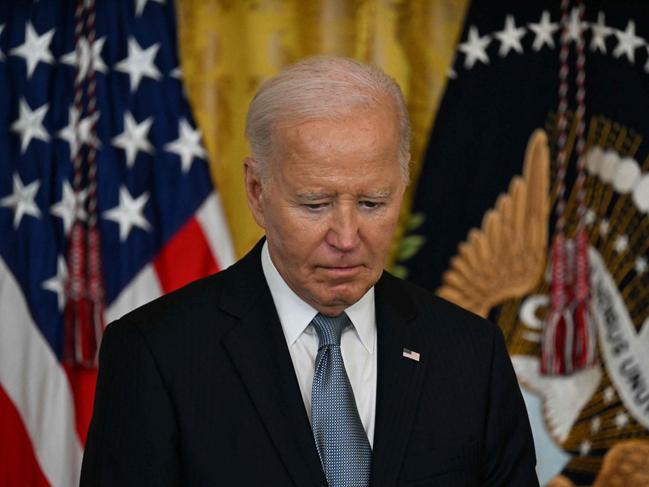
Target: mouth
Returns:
[[342, 271]]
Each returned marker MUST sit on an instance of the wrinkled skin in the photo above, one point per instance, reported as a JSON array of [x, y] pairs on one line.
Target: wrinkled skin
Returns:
[[330, 204]]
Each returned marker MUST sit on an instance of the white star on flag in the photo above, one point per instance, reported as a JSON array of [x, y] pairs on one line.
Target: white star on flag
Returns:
[[134, 138], [575, 26], [510, 37], [30, 124], [176, 73], [56, 283], [2, 27], [475, 48], [627, 42], [139, 63], [85, 126], [187, 145], [584, 448], [69, 134], [543, 32], [608, 395], [640, 265], [35, 49], [70, 206], [140, 4], [98, 64], [128, 213], [600, 33], [22, 200]]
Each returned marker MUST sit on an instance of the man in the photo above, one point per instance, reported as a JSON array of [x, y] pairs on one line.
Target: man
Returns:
[[306, 364]]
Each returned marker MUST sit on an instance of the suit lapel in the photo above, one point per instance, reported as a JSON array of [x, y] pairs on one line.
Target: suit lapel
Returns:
[[399, 378], [258, 349]]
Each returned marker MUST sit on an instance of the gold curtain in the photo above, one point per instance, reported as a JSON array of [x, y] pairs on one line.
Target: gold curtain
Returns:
[[228, 47]]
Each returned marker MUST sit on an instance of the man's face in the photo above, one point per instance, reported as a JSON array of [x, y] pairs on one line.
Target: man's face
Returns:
[[330, 204]]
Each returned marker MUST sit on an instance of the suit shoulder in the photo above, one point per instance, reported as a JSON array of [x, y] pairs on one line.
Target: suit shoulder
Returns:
[[183, 308], [179, 300], [441, 313]]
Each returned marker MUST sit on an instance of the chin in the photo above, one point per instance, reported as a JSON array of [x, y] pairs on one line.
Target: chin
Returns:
[[343, 298]]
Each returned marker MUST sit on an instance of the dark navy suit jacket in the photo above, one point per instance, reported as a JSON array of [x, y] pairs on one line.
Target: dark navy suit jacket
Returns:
[[197, 388]]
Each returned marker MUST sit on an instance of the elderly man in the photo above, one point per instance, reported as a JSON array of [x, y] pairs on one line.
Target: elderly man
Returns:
[[306, 364]]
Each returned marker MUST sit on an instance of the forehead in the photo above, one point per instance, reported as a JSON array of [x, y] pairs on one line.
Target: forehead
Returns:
[[366, 138]]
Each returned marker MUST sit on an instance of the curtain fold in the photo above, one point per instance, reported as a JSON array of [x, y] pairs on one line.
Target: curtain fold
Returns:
[[228, 47]]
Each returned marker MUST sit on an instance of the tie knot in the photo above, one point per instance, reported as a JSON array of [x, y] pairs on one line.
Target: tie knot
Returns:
[[329, 328]]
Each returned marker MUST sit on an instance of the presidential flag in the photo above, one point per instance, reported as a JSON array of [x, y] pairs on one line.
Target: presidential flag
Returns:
[[106, 202], [533, 85]]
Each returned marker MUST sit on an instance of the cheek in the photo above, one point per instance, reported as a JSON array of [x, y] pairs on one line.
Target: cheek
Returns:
[[300, 242]]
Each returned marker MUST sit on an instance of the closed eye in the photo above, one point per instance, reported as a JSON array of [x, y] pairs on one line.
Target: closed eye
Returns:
[[315, 206], [370, 205]]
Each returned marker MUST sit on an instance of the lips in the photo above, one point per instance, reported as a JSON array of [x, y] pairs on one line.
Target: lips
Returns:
[[342, 271]]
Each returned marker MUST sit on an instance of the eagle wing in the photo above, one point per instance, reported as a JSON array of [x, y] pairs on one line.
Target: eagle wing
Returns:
[[505, 258]]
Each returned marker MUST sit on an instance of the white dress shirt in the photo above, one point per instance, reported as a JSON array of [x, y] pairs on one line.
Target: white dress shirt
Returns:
[[357, 344]]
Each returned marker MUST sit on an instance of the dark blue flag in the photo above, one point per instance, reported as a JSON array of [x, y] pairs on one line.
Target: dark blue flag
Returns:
[[486, 211]]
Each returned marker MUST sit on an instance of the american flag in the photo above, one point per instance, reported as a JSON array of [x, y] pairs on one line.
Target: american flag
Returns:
[[411, 355], [95, 132]]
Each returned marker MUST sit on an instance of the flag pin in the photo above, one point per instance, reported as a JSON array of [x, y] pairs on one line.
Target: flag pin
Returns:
[[411, 355]]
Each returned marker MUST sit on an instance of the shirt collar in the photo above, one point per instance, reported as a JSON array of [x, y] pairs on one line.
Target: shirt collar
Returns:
[[295, 315]]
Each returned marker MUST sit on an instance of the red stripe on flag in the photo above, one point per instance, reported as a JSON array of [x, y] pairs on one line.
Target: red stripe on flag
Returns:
[[18, 464], [82, 382], [185, 258]]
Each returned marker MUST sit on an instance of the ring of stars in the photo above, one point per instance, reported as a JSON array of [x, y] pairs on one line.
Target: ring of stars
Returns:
[[474, 47]]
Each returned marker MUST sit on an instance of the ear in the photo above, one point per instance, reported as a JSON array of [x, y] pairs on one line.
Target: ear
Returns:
[[254, 190]]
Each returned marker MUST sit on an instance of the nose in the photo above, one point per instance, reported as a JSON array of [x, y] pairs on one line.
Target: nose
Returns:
[[343, 232]]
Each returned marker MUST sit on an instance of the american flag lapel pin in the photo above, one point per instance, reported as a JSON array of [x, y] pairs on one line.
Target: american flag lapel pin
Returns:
[[411, 355]]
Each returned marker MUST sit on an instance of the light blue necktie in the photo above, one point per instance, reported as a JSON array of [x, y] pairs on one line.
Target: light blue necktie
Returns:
[[344, 450]]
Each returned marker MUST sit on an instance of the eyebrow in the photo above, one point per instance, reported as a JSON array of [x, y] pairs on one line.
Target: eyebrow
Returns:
[[378, 194], [316, 196], [313, 196]]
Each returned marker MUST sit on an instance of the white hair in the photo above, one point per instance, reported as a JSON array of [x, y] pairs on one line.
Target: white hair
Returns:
[[321, 87]]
